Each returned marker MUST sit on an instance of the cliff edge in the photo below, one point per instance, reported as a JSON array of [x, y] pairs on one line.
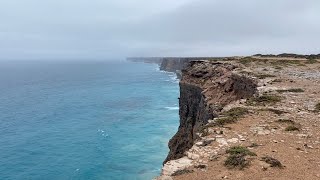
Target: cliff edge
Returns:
[[205, 88], [247, 118]]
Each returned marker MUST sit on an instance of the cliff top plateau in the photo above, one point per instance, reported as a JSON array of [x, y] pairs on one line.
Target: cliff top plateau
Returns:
[[254, 117]]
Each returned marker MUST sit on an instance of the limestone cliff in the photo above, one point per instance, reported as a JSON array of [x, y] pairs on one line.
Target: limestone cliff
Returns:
[[152, 60], [247, 118], [173, 64], [205, 88]]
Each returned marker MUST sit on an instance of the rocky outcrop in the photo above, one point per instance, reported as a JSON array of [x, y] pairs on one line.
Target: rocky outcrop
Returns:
[[278, 127], [205, 88]]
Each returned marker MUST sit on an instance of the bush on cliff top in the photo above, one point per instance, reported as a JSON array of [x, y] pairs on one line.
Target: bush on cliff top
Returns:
[[272, 161], [263, 100], [224, 120], [236, 112], [231, 116], [237, 157], [292, 128], [240, 150]]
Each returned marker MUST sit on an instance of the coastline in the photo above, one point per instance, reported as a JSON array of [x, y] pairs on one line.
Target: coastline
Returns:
[[212, 92]]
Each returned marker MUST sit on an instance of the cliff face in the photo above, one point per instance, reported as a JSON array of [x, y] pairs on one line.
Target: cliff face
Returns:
[[177, 64], [173, 64], [205, 88], [156, 60]]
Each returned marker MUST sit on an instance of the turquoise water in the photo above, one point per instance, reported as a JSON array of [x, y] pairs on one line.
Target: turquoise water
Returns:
[[85, 120]]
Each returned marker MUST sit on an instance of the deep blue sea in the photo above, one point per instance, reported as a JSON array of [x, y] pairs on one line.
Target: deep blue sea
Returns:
[[85, 120]]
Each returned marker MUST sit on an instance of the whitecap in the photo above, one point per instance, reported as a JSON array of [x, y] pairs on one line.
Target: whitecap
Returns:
[[172, 108], [103, 133]]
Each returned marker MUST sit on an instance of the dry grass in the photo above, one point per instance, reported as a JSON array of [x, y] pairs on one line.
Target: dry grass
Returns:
[[295, 90], [236, 112], [312, 61], [247, 60], [263, 100]]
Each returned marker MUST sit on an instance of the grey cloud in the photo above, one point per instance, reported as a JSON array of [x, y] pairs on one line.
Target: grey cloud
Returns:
[[102, 29]]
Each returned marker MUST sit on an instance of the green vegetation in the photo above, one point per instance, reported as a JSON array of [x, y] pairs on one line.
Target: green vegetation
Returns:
[[263, 100], [276, 63], [292, 127], [240, 150], [236, 161], [272, 161], [237, 157], [224, 120], [236, 112], [231, 116], [295, 90]]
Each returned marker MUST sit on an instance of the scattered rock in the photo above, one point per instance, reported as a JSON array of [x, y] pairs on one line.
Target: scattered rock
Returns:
[[175, 165], [233, 140]]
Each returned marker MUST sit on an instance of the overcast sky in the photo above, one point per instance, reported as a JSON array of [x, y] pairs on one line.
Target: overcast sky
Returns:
[[87, 29]]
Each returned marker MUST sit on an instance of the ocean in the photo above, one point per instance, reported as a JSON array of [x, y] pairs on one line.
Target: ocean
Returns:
[[85, 120]]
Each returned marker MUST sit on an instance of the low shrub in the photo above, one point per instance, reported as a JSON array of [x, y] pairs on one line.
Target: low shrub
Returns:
[[240, 150], [295, 90], [263, 100], [272, 161], [292, 128], [236, 161], [231, 116], [237, 157]]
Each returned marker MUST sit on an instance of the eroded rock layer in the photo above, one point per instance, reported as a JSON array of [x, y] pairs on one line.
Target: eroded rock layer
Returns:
[[205, 88]]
